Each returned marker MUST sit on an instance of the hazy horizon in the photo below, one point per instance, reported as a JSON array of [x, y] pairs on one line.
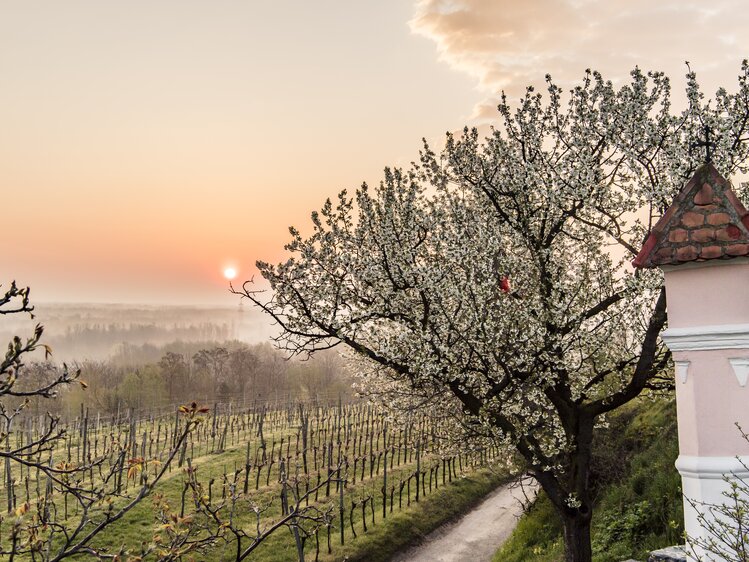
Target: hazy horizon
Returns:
[[96, 331]]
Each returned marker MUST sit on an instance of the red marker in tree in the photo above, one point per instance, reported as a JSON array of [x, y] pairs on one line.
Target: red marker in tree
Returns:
[[504, 284]]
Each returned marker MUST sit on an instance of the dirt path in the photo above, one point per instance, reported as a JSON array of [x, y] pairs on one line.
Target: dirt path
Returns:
[[477, 535]]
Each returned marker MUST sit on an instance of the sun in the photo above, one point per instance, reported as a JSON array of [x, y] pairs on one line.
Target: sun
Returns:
[[230, 273]]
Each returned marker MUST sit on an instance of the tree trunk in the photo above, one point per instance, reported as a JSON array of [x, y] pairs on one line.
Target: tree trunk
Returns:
[[577, 536]]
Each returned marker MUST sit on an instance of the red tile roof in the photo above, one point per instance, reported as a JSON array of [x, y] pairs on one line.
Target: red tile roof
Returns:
[[706, 221]]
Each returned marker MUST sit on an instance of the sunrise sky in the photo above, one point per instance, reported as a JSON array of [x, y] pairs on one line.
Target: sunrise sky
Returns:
[[146, 146]]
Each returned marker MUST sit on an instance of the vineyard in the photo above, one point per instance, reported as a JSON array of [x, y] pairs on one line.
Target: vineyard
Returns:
[[226, 482]]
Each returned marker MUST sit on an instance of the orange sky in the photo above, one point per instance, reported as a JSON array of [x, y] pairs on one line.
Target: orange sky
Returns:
[[146, 145]]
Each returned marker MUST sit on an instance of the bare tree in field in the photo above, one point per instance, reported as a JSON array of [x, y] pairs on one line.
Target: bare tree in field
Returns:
[[496, 273], [210, 522]]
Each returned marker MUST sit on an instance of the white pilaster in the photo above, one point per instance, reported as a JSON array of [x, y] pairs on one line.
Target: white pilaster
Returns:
[[705, 482]]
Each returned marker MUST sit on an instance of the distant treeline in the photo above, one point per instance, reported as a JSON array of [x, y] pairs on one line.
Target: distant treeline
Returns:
[[147, 378]]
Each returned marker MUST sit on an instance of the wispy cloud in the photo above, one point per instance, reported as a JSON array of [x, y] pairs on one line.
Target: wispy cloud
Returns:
[[507, 45]]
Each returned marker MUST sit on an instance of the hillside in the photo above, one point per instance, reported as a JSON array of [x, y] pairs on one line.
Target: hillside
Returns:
[[638, 507]]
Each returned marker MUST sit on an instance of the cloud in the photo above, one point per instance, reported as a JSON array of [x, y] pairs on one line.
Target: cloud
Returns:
[[510, 44]]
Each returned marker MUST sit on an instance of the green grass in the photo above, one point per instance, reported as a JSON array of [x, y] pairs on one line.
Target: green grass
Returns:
[[405, 527], [380, 542], [638, 490], [537, 538]]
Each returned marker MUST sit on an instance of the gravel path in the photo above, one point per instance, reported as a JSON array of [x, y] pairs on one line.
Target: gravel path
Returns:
[[476, 536]]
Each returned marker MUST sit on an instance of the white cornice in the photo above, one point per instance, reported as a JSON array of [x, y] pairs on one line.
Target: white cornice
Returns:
[[699, 338], [712, 467], [702, 264]]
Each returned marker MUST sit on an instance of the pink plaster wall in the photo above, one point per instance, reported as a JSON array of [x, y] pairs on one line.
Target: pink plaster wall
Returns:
[[707, 295], [710, 403]]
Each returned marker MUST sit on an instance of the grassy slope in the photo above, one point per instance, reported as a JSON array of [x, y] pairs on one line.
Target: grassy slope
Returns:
[[379, 544], [639, 493], [405, 527]]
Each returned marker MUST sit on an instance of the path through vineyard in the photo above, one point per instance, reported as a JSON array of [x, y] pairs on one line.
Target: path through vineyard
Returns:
[[477, 535]]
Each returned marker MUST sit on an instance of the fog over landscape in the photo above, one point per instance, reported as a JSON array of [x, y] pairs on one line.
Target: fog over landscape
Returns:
[[79, 331]]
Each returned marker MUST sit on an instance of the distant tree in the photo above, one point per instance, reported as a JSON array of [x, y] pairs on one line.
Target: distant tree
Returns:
[[175, 372], [243, 365], [212, 362], [40, 374], [497, 273], [102, 378], [324, 376], [142, 389], [273, 380]]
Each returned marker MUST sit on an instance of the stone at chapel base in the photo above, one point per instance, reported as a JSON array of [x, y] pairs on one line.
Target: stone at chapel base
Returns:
[[670, 554]]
